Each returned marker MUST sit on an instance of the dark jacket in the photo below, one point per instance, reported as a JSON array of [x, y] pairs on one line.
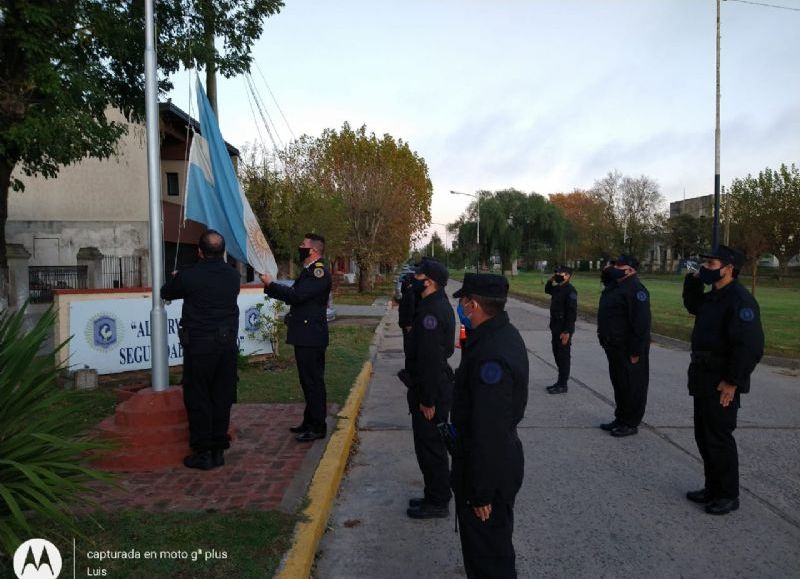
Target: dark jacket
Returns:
[[489, 400], [433, 342], [210, 314], [563, 307], [623, 317], [408, 302], [727, 339], [307, 321]]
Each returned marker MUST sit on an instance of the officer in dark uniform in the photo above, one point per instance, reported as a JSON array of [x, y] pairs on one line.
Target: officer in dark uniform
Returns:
[[431, 392], [563, 312], [727, 344], [307, 323], [489, 400], [623, 327], [208, 331], [405, 311]]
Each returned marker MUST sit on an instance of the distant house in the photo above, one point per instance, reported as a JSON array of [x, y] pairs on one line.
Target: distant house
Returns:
[[98, 211], [695, 206]]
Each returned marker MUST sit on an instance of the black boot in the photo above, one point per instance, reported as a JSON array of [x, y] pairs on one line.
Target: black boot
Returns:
[[200, 460], [702, 496], [299, 429], [428, 511], [416, 503], [218, 457]]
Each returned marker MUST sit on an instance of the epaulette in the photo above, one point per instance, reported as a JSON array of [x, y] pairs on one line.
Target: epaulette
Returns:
[[319, 264]]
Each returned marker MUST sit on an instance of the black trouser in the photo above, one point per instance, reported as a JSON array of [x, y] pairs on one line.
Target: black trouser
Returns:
[[311, 370], [713, 432], [432, 455], [209, 389], [630, 383], [561, 353], [487, 546], [407, 347]]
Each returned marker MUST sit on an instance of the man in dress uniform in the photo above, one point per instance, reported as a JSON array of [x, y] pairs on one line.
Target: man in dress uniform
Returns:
[[307, 323], [623, 327], [727, 344], [431, 391], [489, 400], [208, 331], [563, 312]]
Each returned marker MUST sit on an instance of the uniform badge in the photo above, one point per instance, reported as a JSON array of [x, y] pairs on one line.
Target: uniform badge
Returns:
[[747, 315], [319, 272], [491, 373], [430, 322], [641, 295]]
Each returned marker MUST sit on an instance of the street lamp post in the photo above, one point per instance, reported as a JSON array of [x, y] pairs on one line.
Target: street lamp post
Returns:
[[715, 229], [478, 237]]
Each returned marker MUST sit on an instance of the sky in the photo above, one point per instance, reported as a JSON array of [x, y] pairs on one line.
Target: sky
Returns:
[[541, 95]]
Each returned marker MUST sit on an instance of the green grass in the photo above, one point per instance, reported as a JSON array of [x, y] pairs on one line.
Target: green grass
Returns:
[[253, 543], [348, 349], [348, 294], [777, 298]]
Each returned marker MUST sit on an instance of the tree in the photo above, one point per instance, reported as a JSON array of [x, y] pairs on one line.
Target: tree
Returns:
[[63, 64], [749, 216], [591, 230], [688, 235], [435, 248], [384, 188]]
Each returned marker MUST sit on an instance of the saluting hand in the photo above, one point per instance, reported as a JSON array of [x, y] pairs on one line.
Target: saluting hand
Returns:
[[266, 279], [726, 393]]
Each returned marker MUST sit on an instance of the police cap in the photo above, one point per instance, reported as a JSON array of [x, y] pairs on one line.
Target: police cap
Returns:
[[488, 285], [562, 269], [628, 260], [727, 255], [433, 269]]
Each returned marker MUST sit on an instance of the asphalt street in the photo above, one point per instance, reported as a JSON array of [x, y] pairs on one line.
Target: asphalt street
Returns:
[[591, 505]]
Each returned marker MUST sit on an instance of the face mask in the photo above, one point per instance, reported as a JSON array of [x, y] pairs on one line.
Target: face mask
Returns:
[[616, 274], [709, 276], [303, 253], [418, 285], [558, 278], [463, 317]]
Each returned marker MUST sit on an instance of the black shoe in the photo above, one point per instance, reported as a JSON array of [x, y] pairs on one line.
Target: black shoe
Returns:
[[609, 426], [309, 436], [557, 389], [416, 503], [428, 511], [299, 429], [624, 430], [702, 496], [199, 460], [218, 457], [722, 506]]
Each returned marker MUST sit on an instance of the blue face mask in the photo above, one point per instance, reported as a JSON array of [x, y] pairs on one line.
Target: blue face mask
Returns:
[[463, 317]]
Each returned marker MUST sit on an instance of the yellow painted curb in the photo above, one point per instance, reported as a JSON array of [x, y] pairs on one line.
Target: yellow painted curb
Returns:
[[325, 484]]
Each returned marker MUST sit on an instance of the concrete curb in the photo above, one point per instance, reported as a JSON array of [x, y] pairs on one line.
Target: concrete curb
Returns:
[[325, 484]]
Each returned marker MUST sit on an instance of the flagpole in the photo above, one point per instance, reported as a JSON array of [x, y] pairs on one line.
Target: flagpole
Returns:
[[158, 315]]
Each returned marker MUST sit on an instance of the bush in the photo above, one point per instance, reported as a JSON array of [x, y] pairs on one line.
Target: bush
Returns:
[[43, 450]]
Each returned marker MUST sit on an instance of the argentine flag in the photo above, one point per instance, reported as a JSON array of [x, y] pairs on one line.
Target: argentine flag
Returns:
[[215, 198]]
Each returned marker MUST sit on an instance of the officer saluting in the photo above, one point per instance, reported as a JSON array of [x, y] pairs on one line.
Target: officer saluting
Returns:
[[307, 323], [727, 344], [563, 312], [209, 327], [489, 400], [431, 391], [623, 328]]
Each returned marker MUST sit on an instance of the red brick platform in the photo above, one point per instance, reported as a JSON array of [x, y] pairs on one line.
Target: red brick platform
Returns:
[[259, 467]]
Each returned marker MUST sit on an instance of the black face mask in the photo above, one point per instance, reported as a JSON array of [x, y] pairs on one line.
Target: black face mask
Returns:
[[418, 285], [558, 278], [611, 274], [709, 276], [303, 253]]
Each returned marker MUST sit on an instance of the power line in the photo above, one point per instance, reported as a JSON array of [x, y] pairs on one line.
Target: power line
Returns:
[[766, 5]]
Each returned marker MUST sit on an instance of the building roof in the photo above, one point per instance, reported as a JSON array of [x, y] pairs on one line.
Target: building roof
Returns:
[[169, 109]]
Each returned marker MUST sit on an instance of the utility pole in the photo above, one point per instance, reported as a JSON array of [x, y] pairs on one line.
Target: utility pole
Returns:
[[715, 231]]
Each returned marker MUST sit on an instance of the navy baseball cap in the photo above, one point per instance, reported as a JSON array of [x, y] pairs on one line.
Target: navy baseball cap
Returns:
[[488, 285], [727, 255], [433, 269], [628, 260]]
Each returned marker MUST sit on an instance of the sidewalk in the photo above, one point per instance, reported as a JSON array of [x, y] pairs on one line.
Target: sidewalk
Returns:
[[591, 505]]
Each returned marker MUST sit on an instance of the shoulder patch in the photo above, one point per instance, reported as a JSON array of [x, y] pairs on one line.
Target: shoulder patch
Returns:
[[430, 322], [574, 296], [319, 272], [641, 295], [747, 314], [491, 373], [319, 264]]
